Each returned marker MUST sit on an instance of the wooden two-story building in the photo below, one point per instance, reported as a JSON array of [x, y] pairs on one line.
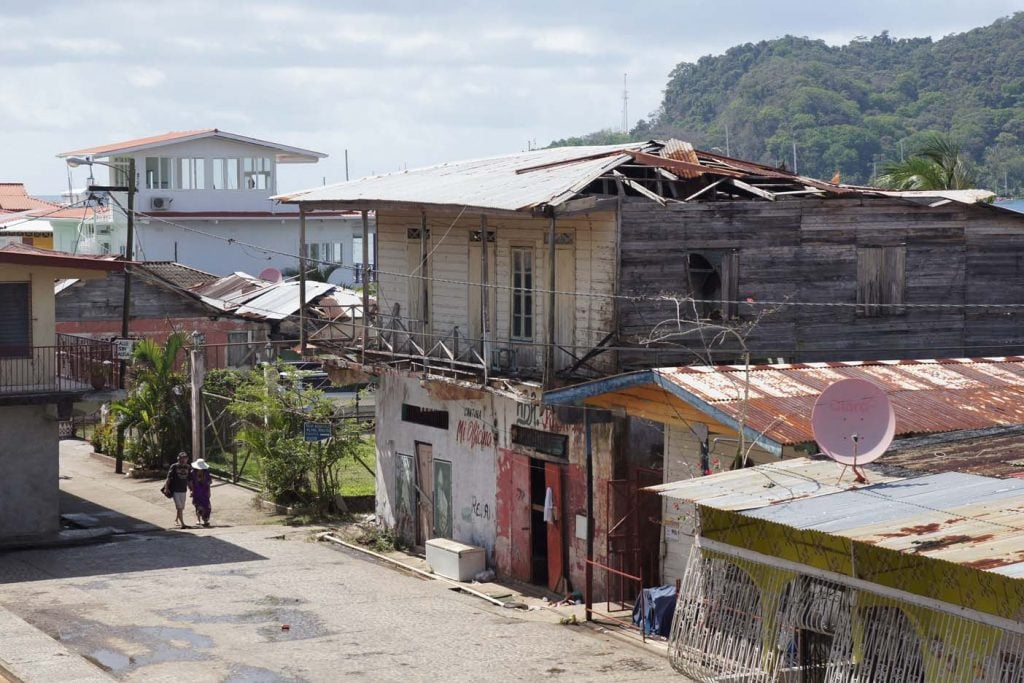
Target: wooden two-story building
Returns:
[[500, 278]]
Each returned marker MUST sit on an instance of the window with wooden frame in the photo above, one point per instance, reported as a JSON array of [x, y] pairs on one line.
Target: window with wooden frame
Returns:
[[550, 443], [15, 319], [712, 280], [881, 279], [522, 293]]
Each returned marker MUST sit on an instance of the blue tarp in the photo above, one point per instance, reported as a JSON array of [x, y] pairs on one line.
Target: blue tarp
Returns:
[[660, 603]]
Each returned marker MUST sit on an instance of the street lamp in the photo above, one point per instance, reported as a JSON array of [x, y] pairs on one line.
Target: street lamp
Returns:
[[130, 189]]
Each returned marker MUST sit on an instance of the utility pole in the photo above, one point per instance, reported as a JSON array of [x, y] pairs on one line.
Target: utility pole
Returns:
[[197, 373], [129, 253], [366, 286], [302, 281]]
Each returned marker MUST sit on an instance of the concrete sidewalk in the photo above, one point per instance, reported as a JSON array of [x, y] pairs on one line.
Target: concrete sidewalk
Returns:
[[103, 503], [93, 495]]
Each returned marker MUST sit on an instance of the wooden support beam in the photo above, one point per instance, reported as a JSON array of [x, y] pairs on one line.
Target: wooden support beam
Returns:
[[747, 187], [639, 188]]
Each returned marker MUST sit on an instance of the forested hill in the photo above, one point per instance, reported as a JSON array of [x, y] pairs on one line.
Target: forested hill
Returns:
[[848, 108]]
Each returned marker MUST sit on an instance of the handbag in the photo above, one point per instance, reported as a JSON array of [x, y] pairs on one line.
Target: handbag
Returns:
[[166, 490]]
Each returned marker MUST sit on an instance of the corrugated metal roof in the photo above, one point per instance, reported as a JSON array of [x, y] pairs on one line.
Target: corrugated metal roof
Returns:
[[281, 300], [769, 484], [967, 519], [175, 274], [927, 395], [997, 452], [230, 290], [513, 182], [961, 518]]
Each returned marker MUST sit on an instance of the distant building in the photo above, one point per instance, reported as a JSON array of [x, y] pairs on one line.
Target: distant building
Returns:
[[201, 194]]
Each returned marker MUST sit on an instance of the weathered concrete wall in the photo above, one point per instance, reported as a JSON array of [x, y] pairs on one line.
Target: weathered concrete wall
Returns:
[[479, 427], [29, 503], [468, 444]]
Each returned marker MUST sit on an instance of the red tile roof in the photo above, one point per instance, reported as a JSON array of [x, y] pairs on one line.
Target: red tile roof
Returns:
[[26, 255], [14, 198], [137, 142]]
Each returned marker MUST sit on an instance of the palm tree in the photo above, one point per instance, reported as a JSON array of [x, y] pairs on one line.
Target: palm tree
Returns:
[[157, 408], [939, 164]]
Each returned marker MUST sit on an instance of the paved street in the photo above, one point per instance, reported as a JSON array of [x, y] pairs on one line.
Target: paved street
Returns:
[[250, 600]]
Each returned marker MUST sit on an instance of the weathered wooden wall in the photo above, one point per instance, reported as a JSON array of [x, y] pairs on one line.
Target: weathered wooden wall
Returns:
[[102, 300], [806, 251], [449, 249]]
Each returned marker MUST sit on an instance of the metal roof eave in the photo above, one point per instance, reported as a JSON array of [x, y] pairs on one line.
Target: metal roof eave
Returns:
[[579, 393]]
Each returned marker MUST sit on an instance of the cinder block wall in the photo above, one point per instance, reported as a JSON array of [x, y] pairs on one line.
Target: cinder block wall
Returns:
[[29, 465]]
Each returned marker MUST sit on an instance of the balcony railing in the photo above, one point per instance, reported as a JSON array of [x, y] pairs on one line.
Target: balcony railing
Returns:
[[75, 365]]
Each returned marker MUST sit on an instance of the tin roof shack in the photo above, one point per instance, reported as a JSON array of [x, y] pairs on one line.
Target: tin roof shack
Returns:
[[709, 414], [40, 368], [908, 578], [520, 273], [162, 303]]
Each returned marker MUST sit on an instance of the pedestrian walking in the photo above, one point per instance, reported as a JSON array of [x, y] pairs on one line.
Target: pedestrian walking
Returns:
[[201, 480], [179, 481]]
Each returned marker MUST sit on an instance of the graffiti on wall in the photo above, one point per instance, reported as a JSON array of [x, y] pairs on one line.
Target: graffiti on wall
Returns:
[[473, 431]]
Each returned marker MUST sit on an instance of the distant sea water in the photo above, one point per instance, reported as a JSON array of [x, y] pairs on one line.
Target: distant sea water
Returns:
[[1012, 204]]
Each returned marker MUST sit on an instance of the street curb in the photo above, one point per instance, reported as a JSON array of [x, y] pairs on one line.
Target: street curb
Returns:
[[39, 658]]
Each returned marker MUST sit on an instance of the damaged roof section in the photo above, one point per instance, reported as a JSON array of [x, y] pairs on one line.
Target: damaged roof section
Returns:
[[664, 171]]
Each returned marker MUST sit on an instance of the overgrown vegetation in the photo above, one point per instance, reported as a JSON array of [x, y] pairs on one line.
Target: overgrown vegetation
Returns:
[[272, 405], [156, 417], [853, 108], [382, 539]]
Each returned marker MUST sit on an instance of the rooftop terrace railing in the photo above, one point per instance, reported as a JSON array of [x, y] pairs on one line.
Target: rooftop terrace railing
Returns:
[[74, 365]]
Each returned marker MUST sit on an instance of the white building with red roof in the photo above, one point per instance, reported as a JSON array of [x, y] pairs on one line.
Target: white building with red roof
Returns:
[[204, 199]]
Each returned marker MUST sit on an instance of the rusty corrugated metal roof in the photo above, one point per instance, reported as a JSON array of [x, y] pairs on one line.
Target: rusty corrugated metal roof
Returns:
[[962, 518], [967, 519], [927, 395]]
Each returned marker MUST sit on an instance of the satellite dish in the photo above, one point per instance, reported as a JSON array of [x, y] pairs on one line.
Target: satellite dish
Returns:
[[271, 275], [853, 421]]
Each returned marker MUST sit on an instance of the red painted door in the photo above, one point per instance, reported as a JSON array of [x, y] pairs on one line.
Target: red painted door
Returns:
[[553, 481], [522, 534]]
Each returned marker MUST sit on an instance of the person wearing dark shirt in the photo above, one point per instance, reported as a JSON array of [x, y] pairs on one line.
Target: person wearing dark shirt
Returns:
[[179, 482]]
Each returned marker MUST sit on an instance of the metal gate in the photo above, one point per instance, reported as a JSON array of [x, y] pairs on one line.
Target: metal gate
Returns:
[[634, 533]]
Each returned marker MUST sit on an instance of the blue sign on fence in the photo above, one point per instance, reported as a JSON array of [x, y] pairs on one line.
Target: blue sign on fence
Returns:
[[316, 431]]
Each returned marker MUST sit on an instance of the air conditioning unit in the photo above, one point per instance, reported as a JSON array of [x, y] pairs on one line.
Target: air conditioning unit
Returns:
[[504, 360], [102, 229], [160, 203]]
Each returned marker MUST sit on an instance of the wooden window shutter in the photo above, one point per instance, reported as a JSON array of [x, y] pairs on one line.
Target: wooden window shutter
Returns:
[[15, 319], [894, 275], [730, 285]]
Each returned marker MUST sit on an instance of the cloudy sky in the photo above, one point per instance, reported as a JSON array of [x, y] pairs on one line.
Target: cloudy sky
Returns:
[[396, 82]]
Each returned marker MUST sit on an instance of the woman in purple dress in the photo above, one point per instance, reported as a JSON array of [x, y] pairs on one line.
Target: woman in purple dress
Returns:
[[201, 491]]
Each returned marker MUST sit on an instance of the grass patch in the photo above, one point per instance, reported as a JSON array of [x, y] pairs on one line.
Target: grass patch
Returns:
[[355, 479], [222, 463]]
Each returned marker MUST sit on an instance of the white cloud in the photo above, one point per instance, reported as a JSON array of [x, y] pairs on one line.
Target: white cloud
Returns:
[[394, 81], [145, 77]]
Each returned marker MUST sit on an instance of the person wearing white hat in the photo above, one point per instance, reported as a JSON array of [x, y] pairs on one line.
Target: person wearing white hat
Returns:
[[201, 491]]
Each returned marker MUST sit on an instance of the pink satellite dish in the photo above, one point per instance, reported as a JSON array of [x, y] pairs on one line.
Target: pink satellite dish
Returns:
[[853, 421], [271, 275]]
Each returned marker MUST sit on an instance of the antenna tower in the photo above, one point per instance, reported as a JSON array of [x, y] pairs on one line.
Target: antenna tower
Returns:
[[625, 104]]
